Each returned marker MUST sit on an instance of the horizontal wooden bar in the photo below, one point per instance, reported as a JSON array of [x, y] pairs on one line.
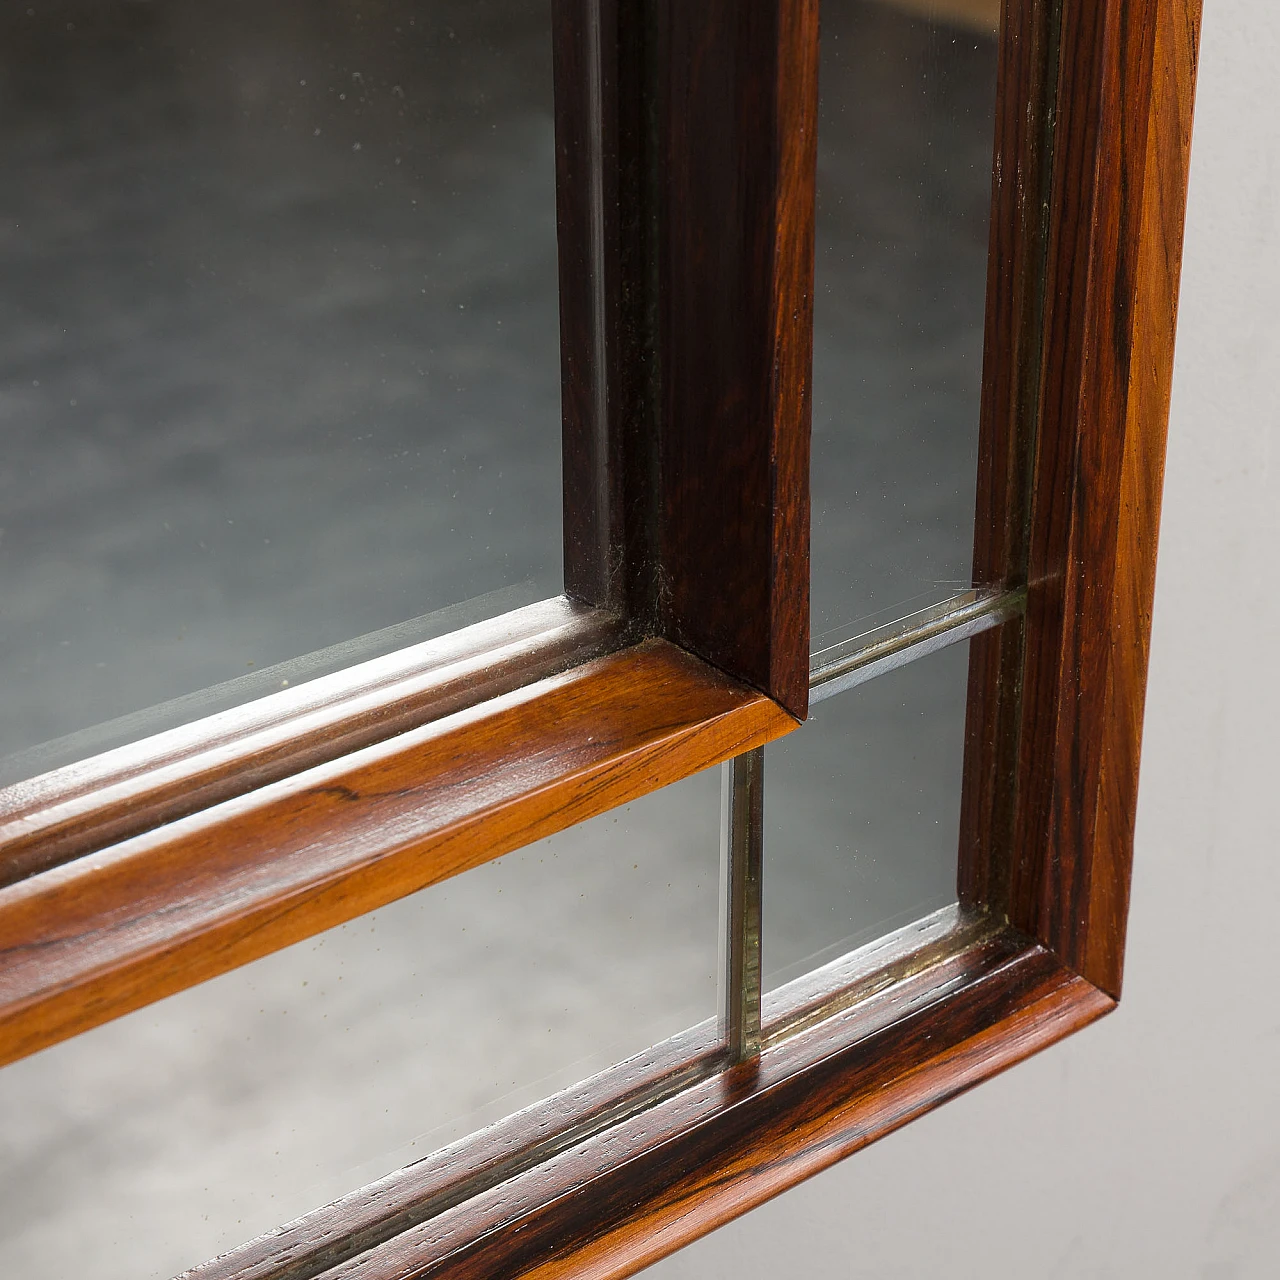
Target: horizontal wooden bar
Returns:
[[109, 797], [635, 1192], [116, 929]]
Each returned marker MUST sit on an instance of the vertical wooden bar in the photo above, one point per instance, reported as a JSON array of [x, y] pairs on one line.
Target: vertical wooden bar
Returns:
[[1099, 176], [1099, 954], [1013, 346], [1125, 75], [686, 152], [738, 142], [600, 353]]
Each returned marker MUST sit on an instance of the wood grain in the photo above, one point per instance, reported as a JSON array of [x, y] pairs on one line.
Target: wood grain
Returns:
[[628, 1196], [56, 816], [1159, 264], [475, 1164], [94, 938], [1079, 343], [481, 1161], [695, 455], [738, 98], [686, 145], [572, 1178], [1012, 358], [1113, 251]]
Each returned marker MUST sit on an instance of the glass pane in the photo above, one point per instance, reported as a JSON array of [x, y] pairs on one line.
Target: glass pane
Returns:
[[905, 138], [149, 1144], [862, 814], [278, 335]]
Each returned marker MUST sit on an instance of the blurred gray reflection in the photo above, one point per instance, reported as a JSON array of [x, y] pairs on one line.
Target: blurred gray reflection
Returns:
[[152, 1143], [862, 814], [278, 334], [905, 140]]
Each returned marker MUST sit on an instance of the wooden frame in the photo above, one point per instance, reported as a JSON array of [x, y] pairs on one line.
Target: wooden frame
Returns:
[[686, 552]]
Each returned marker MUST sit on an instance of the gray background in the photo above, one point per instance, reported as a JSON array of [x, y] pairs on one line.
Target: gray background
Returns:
[[1148, 1145]]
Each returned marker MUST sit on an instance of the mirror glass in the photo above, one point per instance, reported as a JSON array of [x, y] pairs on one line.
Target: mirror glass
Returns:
[[278, 335], [862, 814], [905, 138]]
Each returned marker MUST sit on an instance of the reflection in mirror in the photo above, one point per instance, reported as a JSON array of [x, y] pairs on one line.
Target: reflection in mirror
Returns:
[[302, 675], [146, 1145], [862, 814], [278, 335], [906, 130]]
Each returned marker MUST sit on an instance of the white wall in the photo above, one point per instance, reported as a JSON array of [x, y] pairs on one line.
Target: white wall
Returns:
[[1148, 1145]]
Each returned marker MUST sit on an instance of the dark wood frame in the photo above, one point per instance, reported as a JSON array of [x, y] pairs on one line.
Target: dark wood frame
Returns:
[[684, 643]]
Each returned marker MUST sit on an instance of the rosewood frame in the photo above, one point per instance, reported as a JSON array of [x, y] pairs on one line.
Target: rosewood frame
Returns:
[[684, 643]]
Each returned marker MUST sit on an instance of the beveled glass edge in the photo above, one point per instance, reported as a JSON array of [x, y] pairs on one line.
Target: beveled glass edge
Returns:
[[474, 1163], [865, 971], [51, 817], [741, 885], [491, 1156], [388, 644], [872, 653]]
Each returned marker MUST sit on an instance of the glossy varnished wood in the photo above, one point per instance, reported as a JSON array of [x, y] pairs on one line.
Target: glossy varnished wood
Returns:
[[1012, 358], [472, 1166], [686, 144], [1085, 244], [1155, 289], [738, 97], [1119, 183], [606, 1177], [108, 932], [107, 798], [686, 195], [632, 1194]]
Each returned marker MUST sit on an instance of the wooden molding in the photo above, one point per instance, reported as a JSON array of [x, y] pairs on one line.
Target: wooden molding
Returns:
[[110, 931], [1055, 714], [57, 816], [943, 1006]]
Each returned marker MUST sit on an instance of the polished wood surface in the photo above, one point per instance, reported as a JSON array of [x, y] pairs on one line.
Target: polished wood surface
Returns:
[[1078, 356], [107, 798], [738, 95], [1012, 360], [1114, 244], [1055, 713], [854, 1050], [113, 930], [475, 1164], [629, 1196], [687, 168], [1100, 956]]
